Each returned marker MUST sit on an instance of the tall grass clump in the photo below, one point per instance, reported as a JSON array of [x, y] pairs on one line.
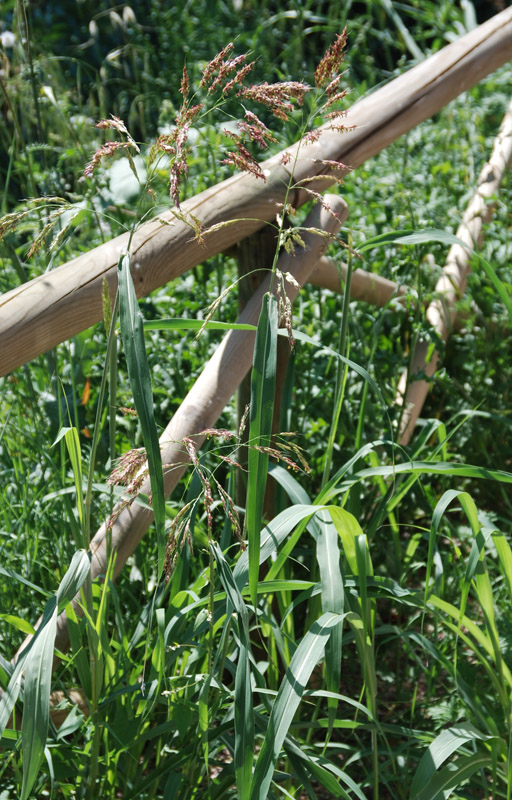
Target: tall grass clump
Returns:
[[352, 638]]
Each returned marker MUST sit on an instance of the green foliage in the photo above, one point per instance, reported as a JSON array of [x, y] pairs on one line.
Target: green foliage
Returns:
[[362, 645]]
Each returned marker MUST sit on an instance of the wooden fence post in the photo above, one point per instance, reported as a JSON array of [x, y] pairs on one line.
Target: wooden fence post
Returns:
[[254, 255]]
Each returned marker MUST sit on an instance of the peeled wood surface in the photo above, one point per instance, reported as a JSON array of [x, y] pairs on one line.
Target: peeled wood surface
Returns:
[[206, 400], [53, 307], [451, 285], [366, 286]]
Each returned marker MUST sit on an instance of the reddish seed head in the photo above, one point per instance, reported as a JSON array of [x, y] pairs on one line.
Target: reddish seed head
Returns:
[[331, 62], [215, 64], [105, 150], [277, 97]]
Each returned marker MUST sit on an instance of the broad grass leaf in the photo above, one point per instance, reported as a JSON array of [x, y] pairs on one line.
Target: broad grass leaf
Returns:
[[36, 699], [448, 779], [244, 713], [505, 558], [20, 624], [12, 575], [271, 537], [295, 492], [37, 662], [132, 334], [411, 237], [333, 599], [475, 568], [70, 585], [435, 467], [72, 440], [263, 381], [179, 324], [292, 688], [348, 529], [443, 746], [311, 768]]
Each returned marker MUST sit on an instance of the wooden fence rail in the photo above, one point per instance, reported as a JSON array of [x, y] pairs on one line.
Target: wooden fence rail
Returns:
[[57, 305]]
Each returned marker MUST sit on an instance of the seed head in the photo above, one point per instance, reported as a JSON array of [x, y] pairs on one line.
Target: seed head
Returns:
[[277, 97], [329, 66]]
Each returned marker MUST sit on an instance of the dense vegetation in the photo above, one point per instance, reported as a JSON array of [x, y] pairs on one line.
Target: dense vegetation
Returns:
[[379, 626]]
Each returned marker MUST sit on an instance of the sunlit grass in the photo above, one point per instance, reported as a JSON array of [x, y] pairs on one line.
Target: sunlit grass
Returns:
[[363, 649]]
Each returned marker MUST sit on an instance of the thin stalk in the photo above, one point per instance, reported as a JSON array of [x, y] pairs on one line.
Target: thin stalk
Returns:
[[341, 369], [110, 357]]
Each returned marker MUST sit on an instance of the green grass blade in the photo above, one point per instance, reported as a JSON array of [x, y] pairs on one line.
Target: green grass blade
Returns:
[[411, 237], [271, 537], [498, 285], [73, 579], [409, 41], [349, 530], [505, 558], [333, 599], [72, 440], [263, 381], [132, 333], [290, 692], [454, 775], [435, 467], [36, 699], [178, 324], [244, 714], [38, 671], [303, 337], [443, 746]]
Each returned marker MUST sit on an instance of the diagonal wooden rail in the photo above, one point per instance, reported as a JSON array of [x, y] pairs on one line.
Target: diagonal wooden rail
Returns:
[[55, 306]]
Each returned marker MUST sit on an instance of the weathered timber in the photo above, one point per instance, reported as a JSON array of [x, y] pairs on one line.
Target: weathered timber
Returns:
[[441, 313], [205, 401], [53, 307], [366, 286]]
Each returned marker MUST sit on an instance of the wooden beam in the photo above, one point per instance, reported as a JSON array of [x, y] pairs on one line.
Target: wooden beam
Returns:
[[366, 286], [53, 307]]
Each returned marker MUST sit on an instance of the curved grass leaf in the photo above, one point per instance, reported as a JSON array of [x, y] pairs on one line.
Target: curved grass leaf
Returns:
[[36, 699], [443, 746], [498, 285], [303, 337], [132, 334], [36, 662], [411, 237], [244, 716], [433, 468], [333, 599], [505, 558], [452, 776], [73, 446], [271, 537], [290, 692]]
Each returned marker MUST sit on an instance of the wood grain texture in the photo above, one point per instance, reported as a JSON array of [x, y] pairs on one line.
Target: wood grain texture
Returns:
[[53, 307]]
